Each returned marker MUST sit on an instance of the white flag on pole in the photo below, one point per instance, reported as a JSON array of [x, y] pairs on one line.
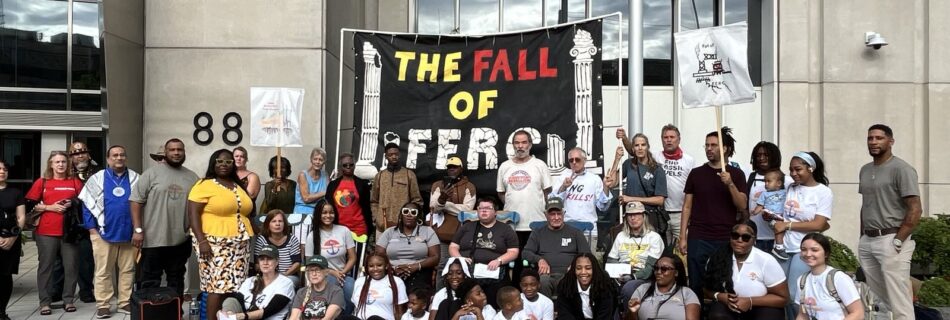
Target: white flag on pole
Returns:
[[275, 117], [713, 67]]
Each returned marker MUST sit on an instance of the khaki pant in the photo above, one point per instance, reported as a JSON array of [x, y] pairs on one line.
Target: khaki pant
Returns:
[[888, 272], [113, 261]]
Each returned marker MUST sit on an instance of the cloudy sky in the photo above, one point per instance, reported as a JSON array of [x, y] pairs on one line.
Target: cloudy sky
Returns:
[[49, 17]]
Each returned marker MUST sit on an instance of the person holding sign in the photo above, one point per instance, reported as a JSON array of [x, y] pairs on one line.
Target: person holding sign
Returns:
[[392, 188], [714, 203], [490, 245]]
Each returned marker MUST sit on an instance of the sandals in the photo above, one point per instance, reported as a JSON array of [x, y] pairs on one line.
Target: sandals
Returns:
[[45, 311], [70, 308]]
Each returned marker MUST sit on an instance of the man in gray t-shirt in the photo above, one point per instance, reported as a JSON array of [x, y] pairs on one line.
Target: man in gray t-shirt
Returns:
[[159, 217], [890, 210], [553, 247]]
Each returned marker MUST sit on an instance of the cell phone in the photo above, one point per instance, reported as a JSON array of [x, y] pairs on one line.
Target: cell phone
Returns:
[[468, 317]]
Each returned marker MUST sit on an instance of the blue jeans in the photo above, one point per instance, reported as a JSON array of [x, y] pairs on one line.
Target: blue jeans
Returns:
[[698, 251], [347, 291], [794, 268]]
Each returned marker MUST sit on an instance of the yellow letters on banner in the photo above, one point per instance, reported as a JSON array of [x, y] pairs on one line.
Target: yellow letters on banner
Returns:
[[404, 58], [428, 66], [485, 102], [451, 66]]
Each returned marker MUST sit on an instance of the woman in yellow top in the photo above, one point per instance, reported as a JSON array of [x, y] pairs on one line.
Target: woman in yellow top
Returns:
[[218, 207]]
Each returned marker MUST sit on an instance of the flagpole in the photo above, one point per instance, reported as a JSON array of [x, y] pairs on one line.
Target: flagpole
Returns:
[[722, 157]]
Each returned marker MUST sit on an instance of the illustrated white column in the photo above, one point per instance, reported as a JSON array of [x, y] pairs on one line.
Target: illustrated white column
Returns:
[[369, 130], [583, 52]]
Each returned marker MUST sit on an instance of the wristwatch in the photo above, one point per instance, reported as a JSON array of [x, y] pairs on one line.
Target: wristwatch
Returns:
[[897, 242], [138, 230]]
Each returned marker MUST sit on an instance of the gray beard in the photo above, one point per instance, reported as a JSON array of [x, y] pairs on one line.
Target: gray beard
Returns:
[[81, 166]]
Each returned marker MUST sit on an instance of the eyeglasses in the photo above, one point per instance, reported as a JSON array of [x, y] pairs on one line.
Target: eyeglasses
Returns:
[[744, 236], [573, 160], [347, 165], [663, 269], [486, 208], [410, 212], [224, 161]]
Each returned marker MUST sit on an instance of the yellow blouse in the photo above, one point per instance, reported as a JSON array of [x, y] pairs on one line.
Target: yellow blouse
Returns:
[[218, 218]]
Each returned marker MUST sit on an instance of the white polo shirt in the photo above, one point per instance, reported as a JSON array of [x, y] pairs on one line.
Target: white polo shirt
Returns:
[[760, 271]]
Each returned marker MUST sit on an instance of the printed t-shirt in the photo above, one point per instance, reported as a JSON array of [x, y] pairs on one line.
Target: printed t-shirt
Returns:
[[760, 271], [490, 243], [281, 286], [346, 198], [164, 192], [803, 204], [51, 223], [379, 299], [816, 300], [317, 302], [523, 185], [333, 245]]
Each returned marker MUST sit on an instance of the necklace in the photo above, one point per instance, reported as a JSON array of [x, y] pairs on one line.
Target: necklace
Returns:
[[237, 196], [118, 190]]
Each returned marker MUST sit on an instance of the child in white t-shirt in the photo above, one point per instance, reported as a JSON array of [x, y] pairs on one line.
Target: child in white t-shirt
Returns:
[[418, 305], [512, 308], [771, 204], [536, 304]]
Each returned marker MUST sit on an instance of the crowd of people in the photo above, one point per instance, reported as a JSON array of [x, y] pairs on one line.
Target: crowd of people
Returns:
[[694, 240]]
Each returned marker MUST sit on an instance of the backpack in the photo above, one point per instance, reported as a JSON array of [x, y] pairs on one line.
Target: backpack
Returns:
[[829, 285]]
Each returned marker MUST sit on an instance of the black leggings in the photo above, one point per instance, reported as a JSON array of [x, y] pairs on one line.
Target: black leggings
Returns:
[[6, 289], [719, 311]]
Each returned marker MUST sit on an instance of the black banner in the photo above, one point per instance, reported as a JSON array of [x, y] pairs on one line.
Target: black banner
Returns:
[[439, 96]]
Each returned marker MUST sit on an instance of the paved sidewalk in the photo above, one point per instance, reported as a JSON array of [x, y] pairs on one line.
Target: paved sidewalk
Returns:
[[24, 303]]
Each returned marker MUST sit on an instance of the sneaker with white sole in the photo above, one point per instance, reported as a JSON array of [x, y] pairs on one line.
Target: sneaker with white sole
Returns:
[[127, 309], [780, 254], [103, 313]]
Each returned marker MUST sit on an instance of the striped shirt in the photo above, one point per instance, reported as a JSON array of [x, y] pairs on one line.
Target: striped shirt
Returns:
[[288, 253]]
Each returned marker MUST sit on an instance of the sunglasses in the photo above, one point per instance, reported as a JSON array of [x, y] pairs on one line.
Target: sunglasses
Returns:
[[573, 160], [224, 161], [663, 269], [410, 212], [348, 165], [744, 236]]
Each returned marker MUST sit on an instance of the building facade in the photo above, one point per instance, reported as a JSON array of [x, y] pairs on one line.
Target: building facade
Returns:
[[176, 68]]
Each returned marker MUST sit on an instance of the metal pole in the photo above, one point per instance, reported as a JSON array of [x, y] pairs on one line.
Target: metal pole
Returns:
[[635, 65]]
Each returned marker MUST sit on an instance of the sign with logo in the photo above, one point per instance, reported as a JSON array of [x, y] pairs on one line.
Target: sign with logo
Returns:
[[275, 117], [713, 68], [439, 96]]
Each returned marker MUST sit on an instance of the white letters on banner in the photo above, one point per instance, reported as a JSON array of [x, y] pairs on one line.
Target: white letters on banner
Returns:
[[713, 67], [275, 117]]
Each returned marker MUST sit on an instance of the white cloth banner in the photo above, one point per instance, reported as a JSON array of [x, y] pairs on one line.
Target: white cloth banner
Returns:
[[713, 67], [275, 117]]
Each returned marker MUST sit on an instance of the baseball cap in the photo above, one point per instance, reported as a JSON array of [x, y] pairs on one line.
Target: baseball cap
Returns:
[[554, 203], [635, 207], [317, 260], [268, 251], [454, 161]]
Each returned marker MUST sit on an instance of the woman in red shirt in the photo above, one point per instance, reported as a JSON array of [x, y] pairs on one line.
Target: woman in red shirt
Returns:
[[53, 193]]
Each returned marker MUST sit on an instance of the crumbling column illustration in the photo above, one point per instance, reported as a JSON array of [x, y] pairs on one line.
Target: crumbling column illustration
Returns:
[[369, 132], [583, 52]]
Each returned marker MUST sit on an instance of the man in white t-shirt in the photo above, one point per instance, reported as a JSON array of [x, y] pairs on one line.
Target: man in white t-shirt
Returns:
[[676, 165], [523, 184]]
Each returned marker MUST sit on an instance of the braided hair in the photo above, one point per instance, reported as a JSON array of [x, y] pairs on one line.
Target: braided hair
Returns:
[[364, 293]]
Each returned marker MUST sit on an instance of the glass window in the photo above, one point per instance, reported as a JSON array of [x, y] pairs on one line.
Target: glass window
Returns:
[[32, 100], [696, 14], [478, 16], [87, 52], [85, 102], [575, 11], [522, 14], [21, 153], [737, 11], [435, 16], [33, 44]]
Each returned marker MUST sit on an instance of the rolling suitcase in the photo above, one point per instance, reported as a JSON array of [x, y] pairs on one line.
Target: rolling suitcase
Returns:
[[157, 303]]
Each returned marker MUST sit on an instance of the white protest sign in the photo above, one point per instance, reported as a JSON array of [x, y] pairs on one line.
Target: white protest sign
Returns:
[[713, 67], [275, 117]]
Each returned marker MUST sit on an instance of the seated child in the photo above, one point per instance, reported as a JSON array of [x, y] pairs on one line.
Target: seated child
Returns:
[[536, 305], [418, 304], [771, 205], [509, 300]]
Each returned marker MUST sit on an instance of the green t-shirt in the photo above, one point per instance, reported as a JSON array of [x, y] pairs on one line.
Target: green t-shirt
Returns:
[[164, 192]]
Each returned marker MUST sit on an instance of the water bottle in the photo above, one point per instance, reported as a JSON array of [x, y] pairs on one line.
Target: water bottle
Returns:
[[193, 308]]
